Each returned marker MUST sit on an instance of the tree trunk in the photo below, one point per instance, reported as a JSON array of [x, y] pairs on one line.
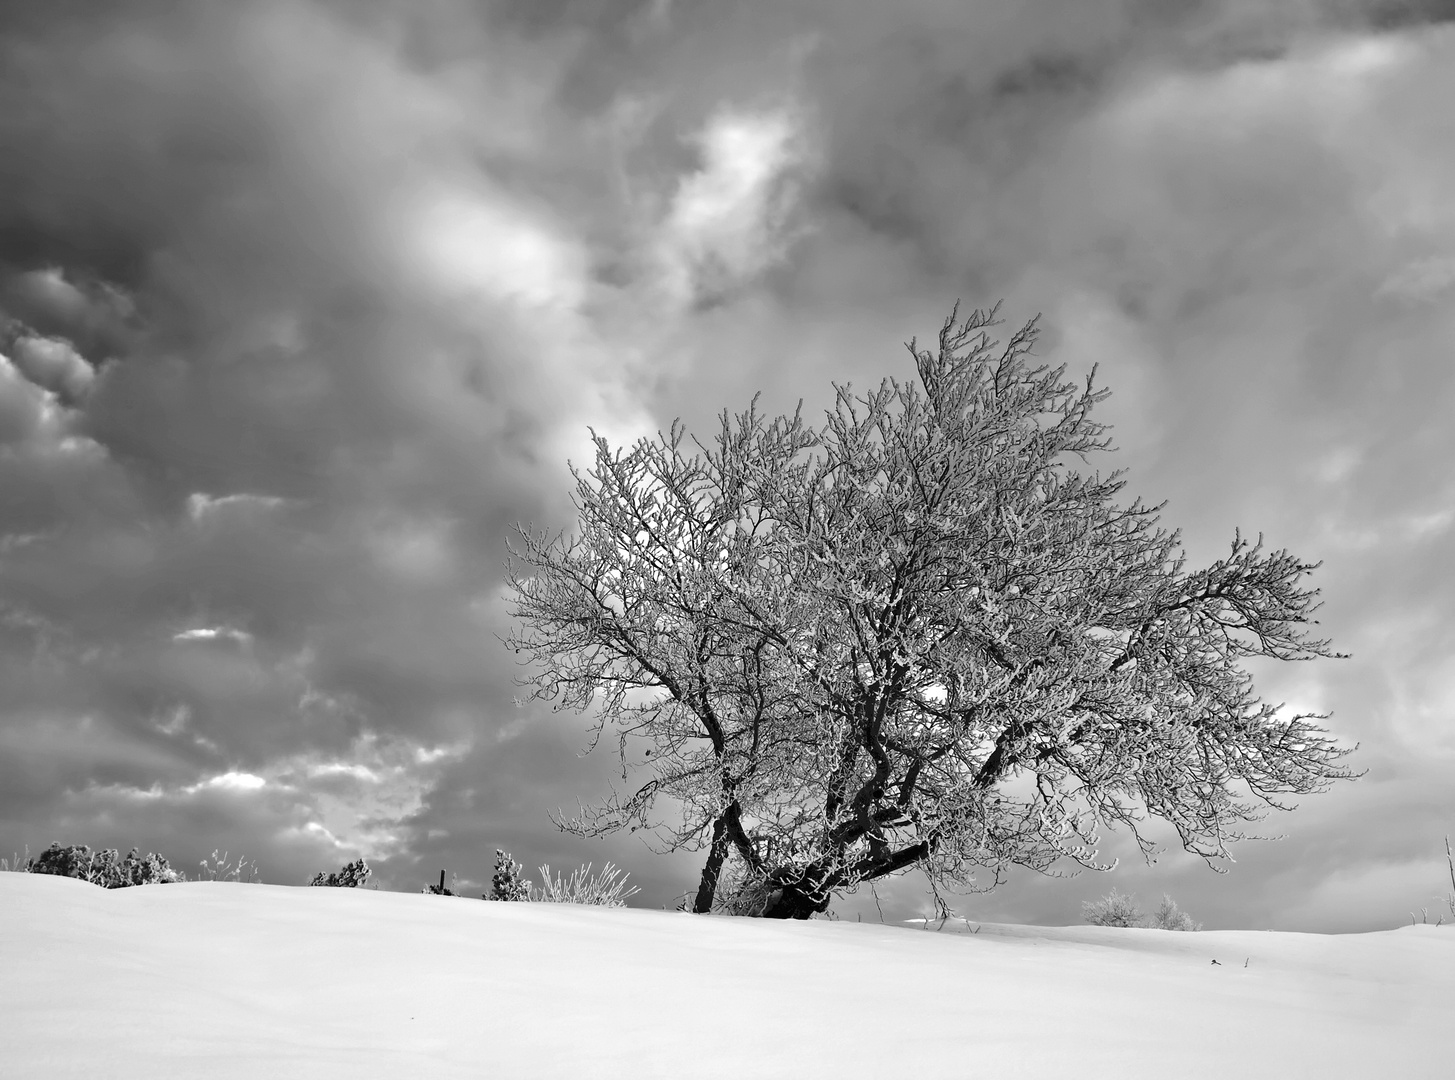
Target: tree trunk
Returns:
[[707, 890]]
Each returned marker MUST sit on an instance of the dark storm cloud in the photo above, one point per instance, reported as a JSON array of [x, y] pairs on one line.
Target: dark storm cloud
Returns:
[[302, 304], [1399, 14], [271, 530]]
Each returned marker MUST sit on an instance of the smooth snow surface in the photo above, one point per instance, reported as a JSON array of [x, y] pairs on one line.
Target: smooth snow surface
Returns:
[[213, 979]]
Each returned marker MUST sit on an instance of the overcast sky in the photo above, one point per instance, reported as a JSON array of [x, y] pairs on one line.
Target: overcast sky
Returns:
[[303, 304]]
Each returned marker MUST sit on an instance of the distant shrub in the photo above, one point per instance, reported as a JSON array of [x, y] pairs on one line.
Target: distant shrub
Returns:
[[506, 883], [16, 864], [219, 869], [1114, 909], [104, 868], [351, 876], [1449, 897], [604, 890], [1169, 916], [607, 889]]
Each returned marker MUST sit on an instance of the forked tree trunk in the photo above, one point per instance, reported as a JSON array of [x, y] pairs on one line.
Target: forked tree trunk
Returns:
[[800, 894], [791, 902], [794, 897]]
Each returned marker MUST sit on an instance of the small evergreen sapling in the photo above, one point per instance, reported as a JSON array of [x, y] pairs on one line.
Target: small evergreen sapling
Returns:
[[506, 883], [351, 876]]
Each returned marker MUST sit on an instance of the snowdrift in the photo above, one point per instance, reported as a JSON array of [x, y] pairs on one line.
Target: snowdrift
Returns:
[[222, 980]]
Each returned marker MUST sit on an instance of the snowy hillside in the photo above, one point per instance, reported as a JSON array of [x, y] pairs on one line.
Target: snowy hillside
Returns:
[[224, 980]]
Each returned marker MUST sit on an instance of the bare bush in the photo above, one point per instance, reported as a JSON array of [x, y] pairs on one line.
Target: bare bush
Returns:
[[1114, 909], [1169, 916], [220, 868], [1118, 909], [607, 889]]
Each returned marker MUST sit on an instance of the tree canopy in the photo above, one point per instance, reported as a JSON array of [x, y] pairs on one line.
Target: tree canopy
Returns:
[[918, 634]]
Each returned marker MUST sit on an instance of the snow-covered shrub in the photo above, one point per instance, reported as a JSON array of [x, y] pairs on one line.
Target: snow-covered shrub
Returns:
[[1114, 909], [351, 876], [506, 883], [104, 868], [1169, 916], [604, 890]]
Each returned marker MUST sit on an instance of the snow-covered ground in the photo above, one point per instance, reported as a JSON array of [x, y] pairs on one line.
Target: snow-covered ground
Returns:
[[217, 979]]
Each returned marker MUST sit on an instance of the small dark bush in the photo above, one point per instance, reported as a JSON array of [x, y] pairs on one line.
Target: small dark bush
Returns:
[[104, 868], [351, 876]]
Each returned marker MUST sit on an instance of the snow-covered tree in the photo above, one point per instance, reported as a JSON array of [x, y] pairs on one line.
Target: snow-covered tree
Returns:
[[918, 634]]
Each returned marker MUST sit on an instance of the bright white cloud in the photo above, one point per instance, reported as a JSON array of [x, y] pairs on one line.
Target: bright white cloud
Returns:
[[200, 504], [430, 755], [359, 798], [30, 413], [345, 768], [317, 828], [228, 781], [475, 240], [729, 220], [213, 633], [53, 364]]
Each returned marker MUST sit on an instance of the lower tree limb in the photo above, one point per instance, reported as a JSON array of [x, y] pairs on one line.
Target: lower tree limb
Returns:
[[799, 894], [796, 898]]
